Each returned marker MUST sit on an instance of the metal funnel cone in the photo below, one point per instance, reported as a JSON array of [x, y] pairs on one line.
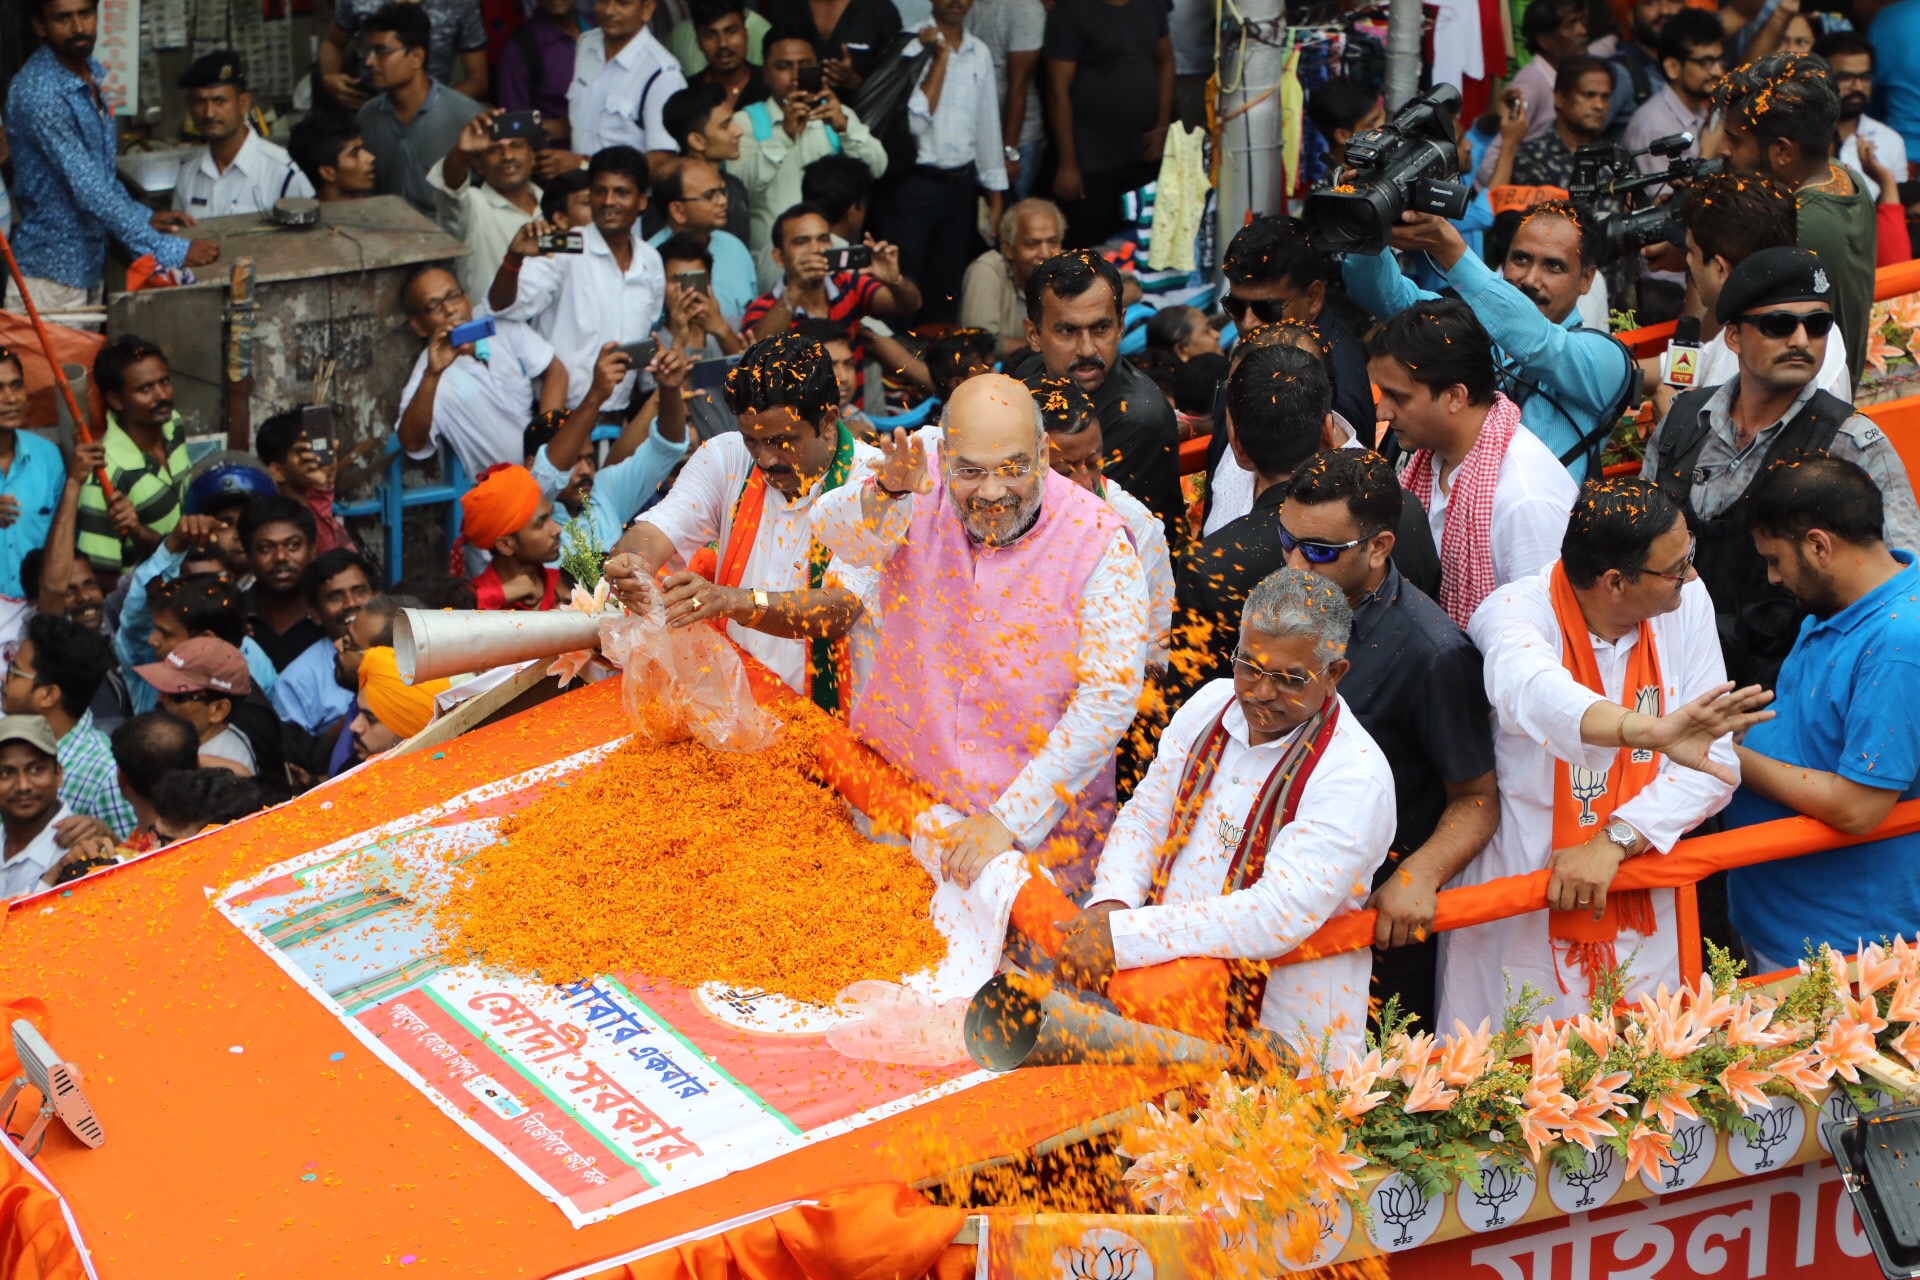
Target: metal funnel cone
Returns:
[[1006, 1027], [430, 643]]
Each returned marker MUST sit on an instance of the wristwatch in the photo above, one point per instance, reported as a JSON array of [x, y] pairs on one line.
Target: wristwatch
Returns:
[[1012, 153], [760, 605], [1621, 832]]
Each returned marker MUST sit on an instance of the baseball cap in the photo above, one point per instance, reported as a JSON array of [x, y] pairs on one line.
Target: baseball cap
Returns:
[[204, 662], [32, 730]]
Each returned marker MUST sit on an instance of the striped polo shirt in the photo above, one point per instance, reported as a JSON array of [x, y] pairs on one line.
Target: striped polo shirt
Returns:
[[154, 489]]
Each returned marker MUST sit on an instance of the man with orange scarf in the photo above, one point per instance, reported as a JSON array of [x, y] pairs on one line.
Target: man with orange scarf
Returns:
[[735, 527], [505, 515], [1614, 714]]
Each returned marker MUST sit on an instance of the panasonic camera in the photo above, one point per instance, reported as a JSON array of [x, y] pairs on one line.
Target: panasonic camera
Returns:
[[1640, 221], [1410, 163]]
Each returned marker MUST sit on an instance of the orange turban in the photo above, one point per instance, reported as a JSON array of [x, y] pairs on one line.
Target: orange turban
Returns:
[[404, 708], [500, 503]]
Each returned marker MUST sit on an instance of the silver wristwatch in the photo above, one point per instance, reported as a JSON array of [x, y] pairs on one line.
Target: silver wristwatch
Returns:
[[1621, 832], [1012, 153]]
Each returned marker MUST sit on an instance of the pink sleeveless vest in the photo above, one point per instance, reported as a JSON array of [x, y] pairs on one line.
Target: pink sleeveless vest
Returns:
[[978, 661]]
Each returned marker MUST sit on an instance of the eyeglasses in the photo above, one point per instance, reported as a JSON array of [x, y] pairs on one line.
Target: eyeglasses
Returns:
[[1315, 551], [1686, 566], [15, 669], [1781, 324], [1289, 683], [1005, 471], [1705, 60], [705, 197], [445, 302], [384, 51]]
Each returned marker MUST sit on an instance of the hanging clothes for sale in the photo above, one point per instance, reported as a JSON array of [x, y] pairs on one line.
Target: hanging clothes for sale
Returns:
[[1293, 110], [1179, 201]]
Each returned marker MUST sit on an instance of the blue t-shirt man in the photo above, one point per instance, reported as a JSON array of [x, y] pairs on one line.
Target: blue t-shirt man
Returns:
[[1844, 705], [33, 480]]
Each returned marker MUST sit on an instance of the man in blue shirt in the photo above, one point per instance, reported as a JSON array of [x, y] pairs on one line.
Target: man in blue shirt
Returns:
[[68, 194], [1570, 382], [338, 585], [1895, 34], [32, 475], [1844, 744]]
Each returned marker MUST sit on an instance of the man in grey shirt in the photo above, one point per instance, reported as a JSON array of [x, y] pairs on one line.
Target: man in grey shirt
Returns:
[[414, 120], [1014, 31]]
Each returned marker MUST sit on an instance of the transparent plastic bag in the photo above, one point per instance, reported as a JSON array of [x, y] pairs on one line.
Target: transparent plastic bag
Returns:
[[899, 1025], [685, 682]]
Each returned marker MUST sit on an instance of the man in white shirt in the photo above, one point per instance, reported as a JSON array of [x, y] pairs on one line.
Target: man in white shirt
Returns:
[[692, 197], [954, 115], [622, 78], [1266, 811], [784, 597], [487, 214], [30, 808], [1014, 611], [1851, 57], [610, 292], [1613, 717], [1496, 497], [477, 397], [237, 171], [792, 128]]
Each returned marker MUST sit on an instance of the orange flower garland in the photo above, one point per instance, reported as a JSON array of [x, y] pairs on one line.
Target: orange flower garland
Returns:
[[692, 865]]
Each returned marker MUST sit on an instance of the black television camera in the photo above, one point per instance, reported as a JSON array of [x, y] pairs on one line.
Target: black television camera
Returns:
[[1640, 222], [1411, 162]]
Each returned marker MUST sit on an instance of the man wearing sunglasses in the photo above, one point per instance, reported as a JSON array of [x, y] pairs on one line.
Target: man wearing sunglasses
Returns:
[[1717, 443], [1613, 715], [1267, 772]]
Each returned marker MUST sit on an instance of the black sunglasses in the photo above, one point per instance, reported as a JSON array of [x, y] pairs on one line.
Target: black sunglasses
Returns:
[[1781, 324], [1265, 310]]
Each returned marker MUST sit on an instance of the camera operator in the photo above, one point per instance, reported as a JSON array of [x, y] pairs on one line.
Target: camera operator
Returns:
[[1779, 115], [1571, 383], [1717, 444]]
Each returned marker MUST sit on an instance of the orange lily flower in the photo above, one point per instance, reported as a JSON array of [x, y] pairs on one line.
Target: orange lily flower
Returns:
[[1743, 1085], [1645, 1149], [1427, 1093]]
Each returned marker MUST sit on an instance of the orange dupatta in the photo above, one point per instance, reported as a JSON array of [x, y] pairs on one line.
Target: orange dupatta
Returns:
[[1584, 801]]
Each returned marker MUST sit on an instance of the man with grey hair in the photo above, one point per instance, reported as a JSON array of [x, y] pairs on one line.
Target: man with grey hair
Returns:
[[1265, 812], [1014, 612], [993, 293]]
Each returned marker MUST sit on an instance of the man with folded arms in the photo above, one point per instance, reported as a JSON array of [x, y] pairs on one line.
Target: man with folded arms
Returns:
[[1613, 713], [1015, 615]]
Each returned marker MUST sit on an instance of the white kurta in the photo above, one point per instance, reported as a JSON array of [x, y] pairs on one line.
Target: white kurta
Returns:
[[1532, 497], [1319, 864], [1537, 707]]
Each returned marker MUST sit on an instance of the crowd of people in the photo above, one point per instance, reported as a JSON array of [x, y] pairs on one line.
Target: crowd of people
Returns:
[[1413, 633]]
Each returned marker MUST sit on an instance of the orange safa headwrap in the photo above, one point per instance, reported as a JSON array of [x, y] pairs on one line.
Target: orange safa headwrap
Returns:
[[501, 502], [404, 708]]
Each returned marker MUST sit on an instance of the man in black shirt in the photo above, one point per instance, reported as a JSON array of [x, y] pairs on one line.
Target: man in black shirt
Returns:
[[278, 536], [1277, 410], [1416, 684], [1074, 323], [1109, 101]]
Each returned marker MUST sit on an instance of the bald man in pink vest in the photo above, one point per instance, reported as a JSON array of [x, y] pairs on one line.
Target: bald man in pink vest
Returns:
[[1013, 631]]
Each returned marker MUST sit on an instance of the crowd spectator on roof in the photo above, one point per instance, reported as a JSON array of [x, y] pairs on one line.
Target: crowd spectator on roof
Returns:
[[699, 327], [278, 536], [200, 681], [955, 356], [1109, 104], [622, 78], [284, 444], [453, 45], [802, 239], [1074, 313], [338, 585], [1634, 58], [720, 44], [993, 293], [67, 193], [691, 197], [611, 292], [792, 128], [1852, 61], [413, 119], [187, 802], [236, 171], [55, 674], [850, 51], [1582, 94], [1692, 57], [31, 809], [700, 119], [1341, 108], [333, 154], [536, 67], [32, 478], [146, 749], [1552, 32], [487, 213], [637, 462], [1014, 32], [146, 458], [841, 350]]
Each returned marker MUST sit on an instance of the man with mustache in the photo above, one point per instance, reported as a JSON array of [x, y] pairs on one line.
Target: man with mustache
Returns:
[[774, 586], [1014, 611], [146, 454], [237, 171], [1717, 443], [488, 214], [1851, 58], [1844, 746]]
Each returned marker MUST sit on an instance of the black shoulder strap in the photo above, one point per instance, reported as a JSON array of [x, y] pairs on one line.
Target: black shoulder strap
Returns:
[[1626, 402], [529, 46], [1682, 436], [1826, 413], [1637, 72]]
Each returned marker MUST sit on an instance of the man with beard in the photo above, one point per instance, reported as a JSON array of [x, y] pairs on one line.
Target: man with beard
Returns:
[[1851, 58], [68, 194], [488, 214], [1014, 615], [1074, 322], [1638, 69], [278, 535], [1844, 746], [1717, 443], [237, 171], [1692, 52]]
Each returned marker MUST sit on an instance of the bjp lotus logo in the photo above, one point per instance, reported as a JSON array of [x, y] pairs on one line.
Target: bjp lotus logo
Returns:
[[1587, 785], [1647, 703], [1103, 1254]]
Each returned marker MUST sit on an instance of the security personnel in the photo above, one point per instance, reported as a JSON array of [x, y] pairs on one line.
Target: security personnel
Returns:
[[238, 171], [1718, 442]]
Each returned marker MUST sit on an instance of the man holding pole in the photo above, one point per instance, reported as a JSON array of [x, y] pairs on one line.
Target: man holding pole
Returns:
[[1015, 615]]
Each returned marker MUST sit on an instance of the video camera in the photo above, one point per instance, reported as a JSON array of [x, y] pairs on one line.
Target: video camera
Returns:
[[1411, 162], [1624, 234]]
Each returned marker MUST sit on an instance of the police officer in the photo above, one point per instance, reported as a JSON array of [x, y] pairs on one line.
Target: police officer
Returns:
[[238, 171], [1717, 442]]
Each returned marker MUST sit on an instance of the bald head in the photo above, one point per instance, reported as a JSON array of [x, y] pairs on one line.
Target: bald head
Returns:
[[994, 457], [992, 418]]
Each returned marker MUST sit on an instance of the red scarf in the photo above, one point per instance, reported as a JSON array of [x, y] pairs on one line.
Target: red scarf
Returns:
[[1466, 539]]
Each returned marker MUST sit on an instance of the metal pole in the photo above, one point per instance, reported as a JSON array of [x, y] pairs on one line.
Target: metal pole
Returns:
[[1404, 23]]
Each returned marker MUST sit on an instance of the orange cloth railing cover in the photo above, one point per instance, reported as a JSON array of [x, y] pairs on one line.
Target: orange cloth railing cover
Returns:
[[34, 1241]]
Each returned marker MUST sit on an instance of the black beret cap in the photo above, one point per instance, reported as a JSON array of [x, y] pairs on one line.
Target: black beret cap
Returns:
[[1772, 276], [219, 67]]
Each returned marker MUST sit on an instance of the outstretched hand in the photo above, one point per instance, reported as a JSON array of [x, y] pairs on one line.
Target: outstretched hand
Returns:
[[903, 464], [1686, 734]]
